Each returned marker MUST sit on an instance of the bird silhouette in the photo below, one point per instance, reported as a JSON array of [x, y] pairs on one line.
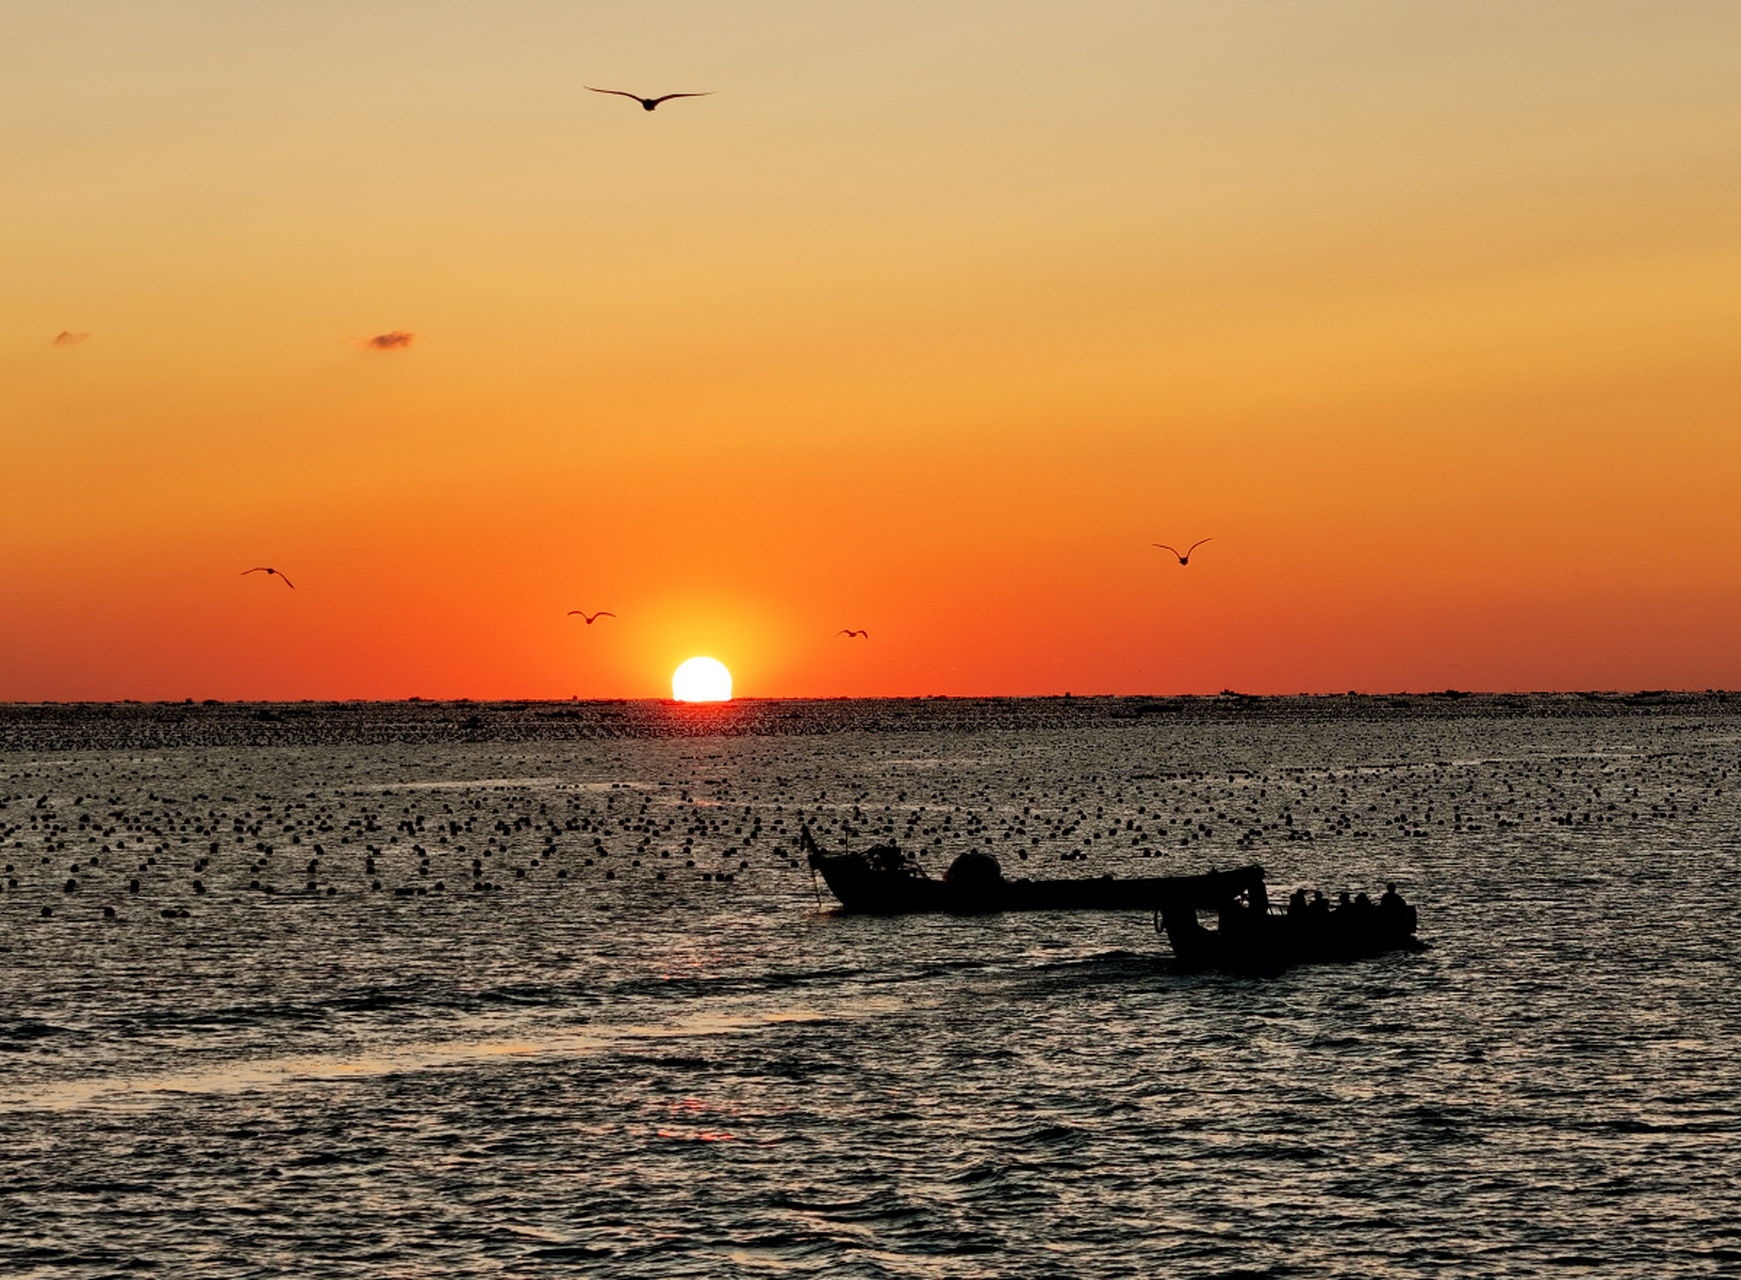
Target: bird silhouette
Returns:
[[591, 618], [273, 572], [647, 104], [849, 632], [1186, 558]]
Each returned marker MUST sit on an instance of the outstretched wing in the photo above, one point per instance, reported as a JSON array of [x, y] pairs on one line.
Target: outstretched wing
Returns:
[[287, 581], [1164, 547], [1198, 543], [669, 96], [618, 92]]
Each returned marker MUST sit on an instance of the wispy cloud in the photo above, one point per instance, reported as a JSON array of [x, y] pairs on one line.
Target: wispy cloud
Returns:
[[67, 338], [390, 341]]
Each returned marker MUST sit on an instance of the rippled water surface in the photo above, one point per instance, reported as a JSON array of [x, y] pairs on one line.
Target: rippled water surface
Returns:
[[589, 1069]]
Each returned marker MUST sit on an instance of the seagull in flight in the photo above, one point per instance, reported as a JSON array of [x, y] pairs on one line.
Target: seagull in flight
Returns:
[[593, 617], [1186, 557], [647, 104], [272, 572], [849, 632]]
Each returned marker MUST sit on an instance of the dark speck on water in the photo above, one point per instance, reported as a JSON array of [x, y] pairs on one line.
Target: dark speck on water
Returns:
[[640, 1045]]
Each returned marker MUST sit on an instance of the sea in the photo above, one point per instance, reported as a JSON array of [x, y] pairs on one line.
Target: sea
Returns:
[[444, 989]]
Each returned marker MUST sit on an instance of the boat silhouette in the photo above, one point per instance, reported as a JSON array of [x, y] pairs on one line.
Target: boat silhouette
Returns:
[[1248, 934]]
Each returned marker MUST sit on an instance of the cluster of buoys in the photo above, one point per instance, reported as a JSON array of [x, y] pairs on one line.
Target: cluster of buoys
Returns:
[[205, 837]]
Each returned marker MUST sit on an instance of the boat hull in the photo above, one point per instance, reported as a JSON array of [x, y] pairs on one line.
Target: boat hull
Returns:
[[1248, 942]]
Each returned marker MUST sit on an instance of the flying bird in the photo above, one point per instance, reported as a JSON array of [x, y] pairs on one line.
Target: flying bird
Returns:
[[849, 632], [591, 618], [647, 104], [273, 572], [1186, 557]]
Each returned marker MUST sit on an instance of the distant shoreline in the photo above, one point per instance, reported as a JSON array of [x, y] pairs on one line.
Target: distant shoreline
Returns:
[[61, 726]]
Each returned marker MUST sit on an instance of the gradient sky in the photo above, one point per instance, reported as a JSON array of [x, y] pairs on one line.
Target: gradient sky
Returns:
[[929, 322]]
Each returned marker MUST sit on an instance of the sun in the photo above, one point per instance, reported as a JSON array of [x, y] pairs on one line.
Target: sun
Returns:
[[701, 680]]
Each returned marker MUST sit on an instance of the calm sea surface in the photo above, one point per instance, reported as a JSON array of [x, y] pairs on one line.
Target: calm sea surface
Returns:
[[616, 1062]]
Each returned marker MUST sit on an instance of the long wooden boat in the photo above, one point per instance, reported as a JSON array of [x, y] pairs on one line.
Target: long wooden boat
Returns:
[[1249, 935]]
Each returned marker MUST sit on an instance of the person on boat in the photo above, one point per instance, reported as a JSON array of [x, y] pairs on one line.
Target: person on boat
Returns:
[[1320, 904], [888, 859], [1396, 913], [1297, 903], [1342, 902]]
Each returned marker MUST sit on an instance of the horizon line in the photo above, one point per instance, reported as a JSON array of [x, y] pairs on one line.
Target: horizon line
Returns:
[[416, 699]]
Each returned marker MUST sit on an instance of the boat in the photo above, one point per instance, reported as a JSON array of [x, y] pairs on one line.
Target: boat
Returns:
[[1253, 937], [886, 881], [1249, 934]]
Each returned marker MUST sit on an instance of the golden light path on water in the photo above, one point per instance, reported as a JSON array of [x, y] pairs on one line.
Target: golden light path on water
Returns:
[[245, 1076]]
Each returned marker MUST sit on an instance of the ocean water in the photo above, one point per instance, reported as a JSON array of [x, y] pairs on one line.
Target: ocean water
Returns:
[[651, 1048]]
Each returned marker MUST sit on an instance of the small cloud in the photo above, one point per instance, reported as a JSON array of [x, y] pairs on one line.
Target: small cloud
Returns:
[[390, 341], [67, 338]]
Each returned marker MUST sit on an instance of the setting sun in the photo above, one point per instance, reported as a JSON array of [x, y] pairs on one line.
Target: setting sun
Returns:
[[701, 680]]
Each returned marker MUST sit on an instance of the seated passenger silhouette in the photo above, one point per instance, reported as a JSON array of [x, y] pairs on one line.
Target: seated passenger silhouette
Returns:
[[887, 858], [1396, 913]]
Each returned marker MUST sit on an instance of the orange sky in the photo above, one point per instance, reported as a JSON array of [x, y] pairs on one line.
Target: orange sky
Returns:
[[929, 322]]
